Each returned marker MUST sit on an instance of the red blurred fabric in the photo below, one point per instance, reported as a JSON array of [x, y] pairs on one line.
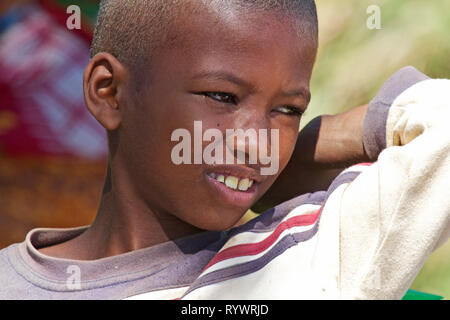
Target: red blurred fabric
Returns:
[[41, 68]]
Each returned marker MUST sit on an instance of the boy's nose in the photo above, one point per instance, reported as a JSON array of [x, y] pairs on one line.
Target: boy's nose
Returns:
[[251, 137], [245, 146]]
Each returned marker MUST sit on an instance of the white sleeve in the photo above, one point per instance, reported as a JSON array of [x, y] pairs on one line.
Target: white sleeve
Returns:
[[397, 211]]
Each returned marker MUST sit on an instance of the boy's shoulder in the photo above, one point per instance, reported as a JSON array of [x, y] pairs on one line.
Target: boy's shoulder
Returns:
[[4, 263], [12, 284]]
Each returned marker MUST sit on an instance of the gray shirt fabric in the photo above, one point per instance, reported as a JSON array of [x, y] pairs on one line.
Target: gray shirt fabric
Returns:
[[28, 274]]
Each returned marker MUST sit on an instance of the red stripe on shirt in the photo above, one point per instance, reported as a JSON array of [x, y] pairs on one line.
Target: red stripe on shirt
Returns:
[[248, 249], [367, 164]]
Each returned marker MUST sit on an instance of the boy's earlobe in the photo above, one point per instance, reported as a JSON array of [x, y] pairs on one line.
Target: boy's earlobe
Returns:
[[103, 80]]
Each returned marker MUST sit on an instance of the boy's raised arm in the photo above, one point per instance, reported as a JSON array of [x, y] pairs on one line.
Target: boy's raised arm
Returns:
[[397, 211]]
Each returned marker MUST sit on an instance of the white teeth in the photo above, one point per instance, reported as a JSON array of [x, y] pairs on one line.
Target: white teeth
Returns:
[[243, 184], [231, 182]]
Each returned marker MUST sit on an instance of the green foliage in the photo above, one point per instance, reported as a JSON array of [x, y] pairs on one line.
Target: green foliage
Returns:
[[435, 274]]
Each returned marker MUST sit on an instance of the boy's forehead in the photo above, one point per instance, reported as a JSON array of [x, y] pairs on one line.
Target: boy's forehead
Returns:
[[253, 44], [236, 30]]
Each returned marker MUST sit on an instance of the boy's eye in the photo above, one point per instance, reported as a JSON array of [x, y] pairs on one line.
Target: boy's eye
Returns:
[[290, 110], [222, 97]]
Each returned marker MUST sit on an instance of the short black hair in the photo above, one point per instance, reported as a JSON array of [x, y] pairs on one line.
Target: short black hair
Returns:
[[131, 30]]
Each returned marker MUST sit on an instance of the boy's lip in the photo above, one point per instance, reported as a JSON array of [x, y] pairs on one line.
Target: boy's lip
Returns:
[[243, 199]]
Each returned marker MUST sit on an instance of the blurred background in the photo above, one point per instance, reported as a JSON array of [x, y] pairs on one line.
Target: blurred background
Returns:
[[53, 153]]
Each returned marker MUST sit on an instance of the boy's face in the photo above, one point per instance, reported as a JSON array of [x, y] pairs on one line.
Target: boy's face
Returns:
[[229, 70]]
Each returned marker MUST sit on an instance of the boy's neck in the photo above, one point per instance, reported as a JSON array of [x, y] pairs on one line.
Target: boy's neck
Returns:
[[123, 223]]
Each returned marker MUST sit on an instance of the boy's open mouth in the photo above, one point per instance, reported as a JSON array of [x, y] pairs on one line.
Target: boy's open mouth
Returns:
[[233, 184]]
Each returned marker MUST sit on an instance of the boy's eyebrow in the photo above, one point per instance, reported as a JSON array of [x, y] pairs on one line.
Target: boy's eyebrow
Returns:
[[223, 75], [301, 92], [226, 76]]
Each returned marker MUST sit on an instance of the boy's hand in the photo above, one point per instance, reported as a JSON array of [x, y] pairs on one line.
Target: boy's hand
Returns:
[[324, 148]]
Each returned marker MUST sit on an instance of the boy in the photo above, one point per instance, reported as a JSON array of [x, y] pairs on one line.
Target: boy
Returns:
[[161, 66]]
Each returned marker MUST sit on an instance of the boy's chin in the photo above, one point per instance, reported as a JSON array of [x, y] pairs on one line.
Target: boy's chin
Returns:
[[221, 222]]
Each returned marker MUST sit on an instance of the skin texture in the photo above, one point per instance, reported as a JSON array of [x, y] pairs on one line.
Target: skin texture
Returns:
[[253, 60]]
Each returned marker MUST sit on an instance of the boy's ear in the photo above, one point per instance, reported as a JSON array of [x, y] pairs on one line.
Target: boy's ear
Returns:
[[104, 82]]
